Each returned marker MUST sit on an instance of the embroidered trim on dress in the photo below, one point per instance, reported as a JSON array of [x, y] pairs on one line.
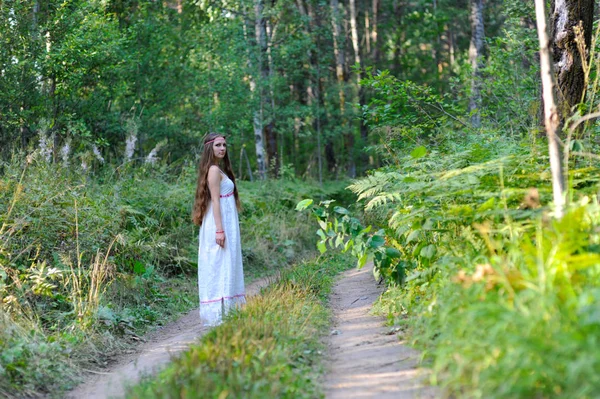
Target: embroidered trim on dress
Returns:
[[223, 297], [227, 195]]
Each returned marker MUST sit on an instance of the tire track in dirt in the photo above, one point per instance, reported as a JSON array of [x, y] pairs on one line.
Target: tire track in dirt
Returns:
[[160, 348], [364, 359]]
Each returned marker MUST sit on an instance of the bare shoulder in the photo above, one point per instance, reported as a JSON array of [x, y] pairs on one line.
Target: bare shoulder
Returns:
[[214, 173]]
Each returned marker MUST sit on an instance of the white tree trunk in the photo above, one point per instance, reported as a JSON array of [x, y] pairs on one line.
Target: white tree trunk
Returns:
[[257, 117], [476, 59], [551, 117], [354, 32], [338, 48]]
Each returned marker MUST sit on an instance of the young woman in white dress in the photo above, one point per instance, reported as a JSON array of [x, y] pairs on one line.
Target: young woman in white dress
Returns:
[[220, 271]]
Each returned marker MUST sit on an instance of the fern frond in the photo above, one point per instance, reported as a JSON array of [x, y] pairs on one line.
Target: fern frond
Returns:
[[382, 200]]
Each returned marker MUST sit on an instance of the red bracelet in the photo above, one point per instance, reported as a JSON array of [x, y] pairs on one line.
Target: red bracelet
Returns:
[[220, 232]]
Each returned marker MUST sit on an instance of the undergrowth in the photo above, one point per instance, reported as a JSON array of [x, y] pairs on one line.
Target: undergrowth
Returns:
[[268, 349], [89, 261], [502, 297]]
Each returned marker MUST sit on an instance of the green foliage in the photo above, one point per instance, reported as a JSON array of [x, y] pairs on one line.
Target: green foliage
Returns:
[[270, 348], [340, 230], [90, 261], [498, 295]]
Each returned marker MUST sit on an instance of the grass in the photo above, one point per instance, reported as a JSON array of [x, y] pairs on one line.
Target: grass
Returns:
[[501, 297], [269, 349], [80, 301]]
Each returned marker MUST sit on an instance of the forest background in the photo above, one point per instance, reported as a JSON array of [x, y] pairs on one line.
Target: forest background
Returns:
[[438, 103]]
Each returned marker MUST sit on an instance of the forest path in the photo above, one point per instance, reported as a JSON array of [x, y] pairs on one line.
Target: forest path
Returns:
[[365, 359], [159, 349]]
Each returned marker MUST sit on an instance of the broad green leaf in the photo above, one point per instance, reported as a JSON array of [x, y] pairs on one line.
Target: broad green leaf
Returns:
[[139, 268], [392, 252], [428, 251], [341, 210], [413, 236], [376, 241], [321, 247], [302, 205], [418, 152], [348, 244], [362, 261]]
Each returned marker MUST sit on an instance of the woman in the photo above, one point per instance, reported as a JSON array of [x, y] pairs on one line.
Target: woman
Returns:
[[220, 273]]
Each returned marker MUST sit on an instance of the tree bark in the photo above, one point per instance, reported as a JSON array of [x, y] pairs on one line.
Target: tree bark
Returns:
[[476, 60], [566, 15], [260, 25], [342, 78], [551, 117], [338, 49], [257, 125], [375, 23], [358, 61]]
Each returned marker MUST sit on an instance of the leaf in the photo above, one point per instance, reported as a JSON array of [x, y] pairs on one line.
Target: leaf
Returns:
[[489, 204], [376, 241], [321, 247], [418, 152], [323, 224], [362, 261], [413, 236], [348, 244], [139, 268], [341, 210], [302, 205], [392, 252], [428, 251]]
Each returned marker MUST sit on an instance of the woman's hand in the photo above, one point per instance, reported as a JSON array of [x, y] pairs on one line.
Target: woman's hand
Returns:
[[220, 238]]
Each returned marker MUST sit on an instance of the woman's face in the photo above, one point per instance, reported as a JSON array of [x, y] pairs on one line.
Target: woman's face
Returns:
[[220, 147]]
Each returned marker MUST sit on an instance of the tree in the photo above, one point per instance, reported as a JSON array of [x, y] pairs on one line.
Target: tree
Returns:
[[568, 17], [476, 60], [551, 117]]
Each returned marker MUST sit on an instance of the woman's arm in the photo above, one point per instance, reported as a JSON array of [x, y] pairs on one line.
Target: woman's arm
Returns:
[[214, 186]]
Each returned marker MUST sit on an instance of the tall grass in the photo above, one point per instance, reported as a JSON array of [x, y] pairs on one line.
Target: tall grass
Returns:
[[89, 262], [502, 298], [269, 349]]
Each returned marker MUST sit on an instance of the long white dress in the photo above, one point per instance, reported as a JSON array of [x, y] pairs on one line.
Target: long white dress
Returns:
[[220, 271]]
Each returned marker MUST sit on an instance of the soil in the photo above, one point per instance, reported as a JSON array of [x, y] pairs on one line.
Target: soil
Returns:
[[365, 358]]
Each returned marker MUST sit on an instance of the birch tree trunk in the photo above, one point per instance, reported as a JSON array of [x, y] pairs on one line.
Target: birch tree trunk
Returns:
[[476, 60], [273, 153], [354, 32], [551, 117], [358, 61], [568, 62], [268, 134], [259, 147], [338, 49]]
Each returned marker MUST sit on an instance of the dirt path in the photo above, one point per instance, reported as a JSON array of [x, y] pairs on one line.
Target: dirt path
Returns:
[[158, 350], [364, 359]]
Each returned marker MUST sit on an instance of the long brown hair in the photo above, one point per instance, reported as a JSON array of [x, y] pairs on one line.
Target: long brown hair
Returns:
[[202, 199]]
